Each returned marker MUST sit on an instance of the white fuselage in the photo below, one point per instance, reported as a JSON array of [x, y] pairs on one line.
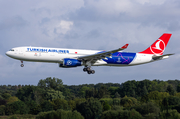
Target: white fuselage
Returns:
[[56, 55]]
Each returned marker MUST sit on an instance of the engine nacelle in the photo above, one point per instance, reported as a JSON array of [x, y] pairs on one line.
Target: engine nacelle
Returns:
[[67, 63]]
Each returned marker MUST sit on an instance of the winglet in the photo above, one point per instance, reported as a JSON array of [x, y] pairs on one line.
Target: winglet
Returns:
[[125, 46]]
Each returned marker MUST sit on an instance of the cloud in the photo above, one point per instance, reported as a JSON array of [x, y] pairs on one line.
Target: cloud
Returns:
[[54, 28], [151, 2], [63, 27], [13, 22]]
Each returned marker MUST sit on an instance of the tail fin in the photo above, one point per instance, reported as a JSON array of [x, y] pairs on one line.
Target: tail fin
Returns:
[[158, 46]]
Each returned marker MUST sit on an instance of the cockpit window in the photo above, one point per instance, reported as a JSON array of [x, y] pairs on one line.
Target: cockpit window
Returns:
[[11, 50]]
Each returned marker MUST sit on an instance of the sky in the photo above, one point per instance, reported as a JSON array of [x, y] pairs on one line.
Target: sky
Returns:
[[88, 24]]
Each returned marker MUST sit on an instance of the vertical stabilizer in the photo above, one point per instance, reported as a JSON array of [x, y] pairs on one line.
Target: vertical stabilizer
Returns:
[[158, 46]]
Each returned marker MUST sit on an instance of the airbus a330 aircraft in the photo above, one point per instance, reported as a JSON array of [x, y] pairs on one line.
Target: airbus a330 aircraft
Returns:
[[74, 57]]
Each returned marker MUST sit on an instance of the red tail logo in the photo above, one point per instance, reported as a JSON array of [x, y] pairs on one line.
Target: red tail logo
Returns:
[[158, 46]]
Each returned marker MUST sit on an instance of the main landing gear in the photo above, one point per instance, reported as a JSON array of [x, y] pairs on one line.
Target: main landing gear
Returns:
[[88, 70], [22, 65]]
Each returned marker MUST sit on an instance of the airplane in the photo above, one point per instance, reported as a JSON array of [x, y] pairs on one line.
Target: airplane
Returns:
[[68, 58]]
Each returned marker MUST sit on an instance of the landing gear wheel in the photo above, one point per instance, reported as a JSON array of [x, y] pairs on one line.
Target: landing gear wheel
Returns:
[[22, 65], [92, 71], [88, 69], [89, 72], [85, 69]]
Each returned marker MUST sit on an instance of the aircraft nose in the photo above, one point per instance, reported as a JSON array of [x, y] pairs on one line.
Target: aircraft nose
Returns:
[[7, 53]]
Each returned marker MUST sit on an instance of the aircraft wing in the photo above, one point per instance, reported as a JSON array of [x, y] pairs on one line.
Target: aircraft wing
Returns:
[[101, 55]]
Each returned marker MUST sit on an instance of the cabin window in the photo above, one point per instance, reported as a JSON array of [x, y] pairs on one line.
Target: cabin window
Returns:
[[11, 50]]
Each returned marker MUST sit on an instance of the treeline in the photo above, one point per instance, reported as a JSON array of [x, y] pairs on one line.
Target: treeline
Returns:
[[132, 100]]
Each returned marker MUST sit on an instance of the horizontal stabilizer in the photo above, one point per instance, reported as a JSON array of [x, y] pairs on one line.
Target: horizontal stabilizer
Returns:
[[161, 56]]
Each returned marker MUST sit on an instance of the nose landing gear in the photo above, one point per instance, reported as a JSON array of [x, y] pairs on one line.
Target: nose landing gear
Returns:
[[22, 65], [88, 70]]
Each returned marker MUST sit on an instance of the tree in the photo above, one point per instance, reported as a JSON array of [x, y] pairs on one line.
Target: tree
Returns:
[[116, 95], [17, 107], [103, 92], [106, 106], [112, 114], [165, 104], [133, 114], [91, 93], [144, 91], [162, 86], [116, 101], [148, 108], [2, 109], [6, 95], [3, 101], [46, 106], [54, 83], [60, 114], [42, 83], [35, 93], [178, 88], [128, 101], [113, 90], [170, 90], [90, 109], [172, 114], [171, 100], [60, 104], [155, 96], [127, 88], [177, 94], [34, 108], [133, 93], [78, 101], [82, 91], [72, 104], [12, 99], [108, 100], [121, 114], [116, 107], [52, 94], [19, 86]]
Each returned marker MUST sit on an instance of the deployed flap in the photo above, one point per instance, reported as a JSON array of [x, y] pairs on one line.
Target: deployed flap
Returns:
[[160, 57], [102, 54]]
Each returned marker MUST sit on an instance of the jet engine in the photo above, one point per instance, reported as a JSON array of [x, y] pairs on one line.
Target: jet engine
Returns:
[[67, 63]]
